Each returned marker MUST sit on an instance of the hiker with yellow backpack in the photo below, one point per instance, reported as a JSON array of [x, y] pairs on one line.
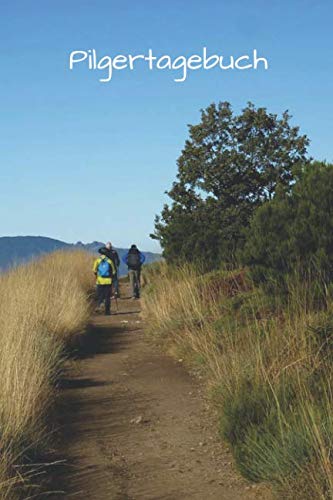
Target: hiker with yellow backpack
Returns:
[[104, 270]]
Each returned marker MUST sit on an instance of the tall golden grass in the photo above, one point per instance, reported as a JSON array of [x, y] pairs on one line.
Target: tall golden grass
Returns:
[[43, 305], [268, 362]]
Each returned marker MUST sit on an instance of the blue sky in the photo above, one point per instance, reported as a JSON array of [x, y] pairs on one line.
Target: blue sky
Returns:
[[82, 160]]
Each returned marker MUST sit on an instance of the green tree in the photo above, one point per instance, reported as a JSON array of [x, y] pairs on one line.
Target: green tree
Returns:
[[295, 230], [229, 166]]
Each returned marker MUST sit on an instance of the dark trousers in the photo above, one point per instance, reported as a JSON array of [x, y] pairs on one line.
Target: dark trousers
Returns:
[[115, 284], [104, 295]]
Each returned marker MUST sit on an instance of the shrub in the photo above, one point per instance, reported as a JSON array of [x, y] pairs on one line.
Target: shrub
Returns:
[[293, 233]]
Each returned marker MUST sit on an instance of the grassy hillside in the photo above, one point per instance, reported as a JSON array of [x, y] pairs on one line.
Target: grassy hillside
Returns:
[[43, 306], [268, 362]]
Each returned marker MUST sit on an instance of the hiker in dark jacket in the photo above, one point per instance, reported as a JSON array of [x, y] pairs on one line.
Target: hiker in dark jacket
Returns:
[[134, 260], [113, 255]]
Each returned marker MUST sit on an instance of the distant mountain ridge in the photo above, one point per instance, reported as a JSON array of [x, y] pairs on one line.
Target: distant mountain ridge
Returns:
[[16, 250]]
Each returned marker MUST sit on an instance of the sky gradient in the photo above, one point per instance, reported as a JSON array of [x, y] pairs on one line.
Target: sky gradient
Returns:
[[83, 160]]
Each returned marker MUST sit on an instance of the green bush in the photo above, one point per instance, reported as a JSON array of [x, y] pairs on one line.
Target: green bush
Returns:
[[293, 233], [269, 438], [254, 406], [290, 456]]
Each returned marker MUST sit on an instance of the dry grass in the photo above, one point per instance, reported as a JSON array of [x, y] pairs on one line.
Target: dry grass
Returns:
[[42, 306], [268, 364]]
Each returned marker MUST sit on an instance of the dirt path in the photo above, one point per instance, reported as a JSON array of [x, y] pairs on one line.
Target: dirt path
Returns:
[[136, 426]]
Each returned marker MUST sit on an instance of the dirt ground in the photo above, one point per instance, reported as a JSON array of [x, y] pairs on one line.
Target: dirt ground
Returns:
[[135, 424]]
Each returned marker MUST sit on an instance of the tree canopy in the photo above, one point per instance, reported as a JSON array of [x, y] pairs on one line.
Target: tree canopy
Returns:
[[230, 165]]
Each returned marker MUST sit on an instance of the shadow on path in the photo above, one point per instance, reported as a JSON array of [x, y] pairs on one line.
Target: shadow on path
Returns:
[[84, 409]]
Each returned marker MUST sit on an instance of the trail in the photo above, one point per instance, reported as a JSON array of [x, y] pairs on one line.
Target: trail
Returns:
[[135, 425]]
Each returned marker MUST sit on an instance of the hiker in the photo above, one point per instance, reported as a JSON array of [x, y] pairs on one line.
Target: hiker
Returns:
[[112, 253], [104, 269], [134, 260]]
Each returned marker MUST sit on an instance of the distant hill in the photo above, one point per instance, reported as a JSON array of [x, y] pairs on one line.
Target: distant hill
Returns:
[[15, 250]]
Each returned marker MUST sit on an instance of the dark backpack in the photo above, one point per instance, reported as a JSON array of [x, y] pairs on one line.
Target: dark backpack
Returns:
[[133, 260]]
